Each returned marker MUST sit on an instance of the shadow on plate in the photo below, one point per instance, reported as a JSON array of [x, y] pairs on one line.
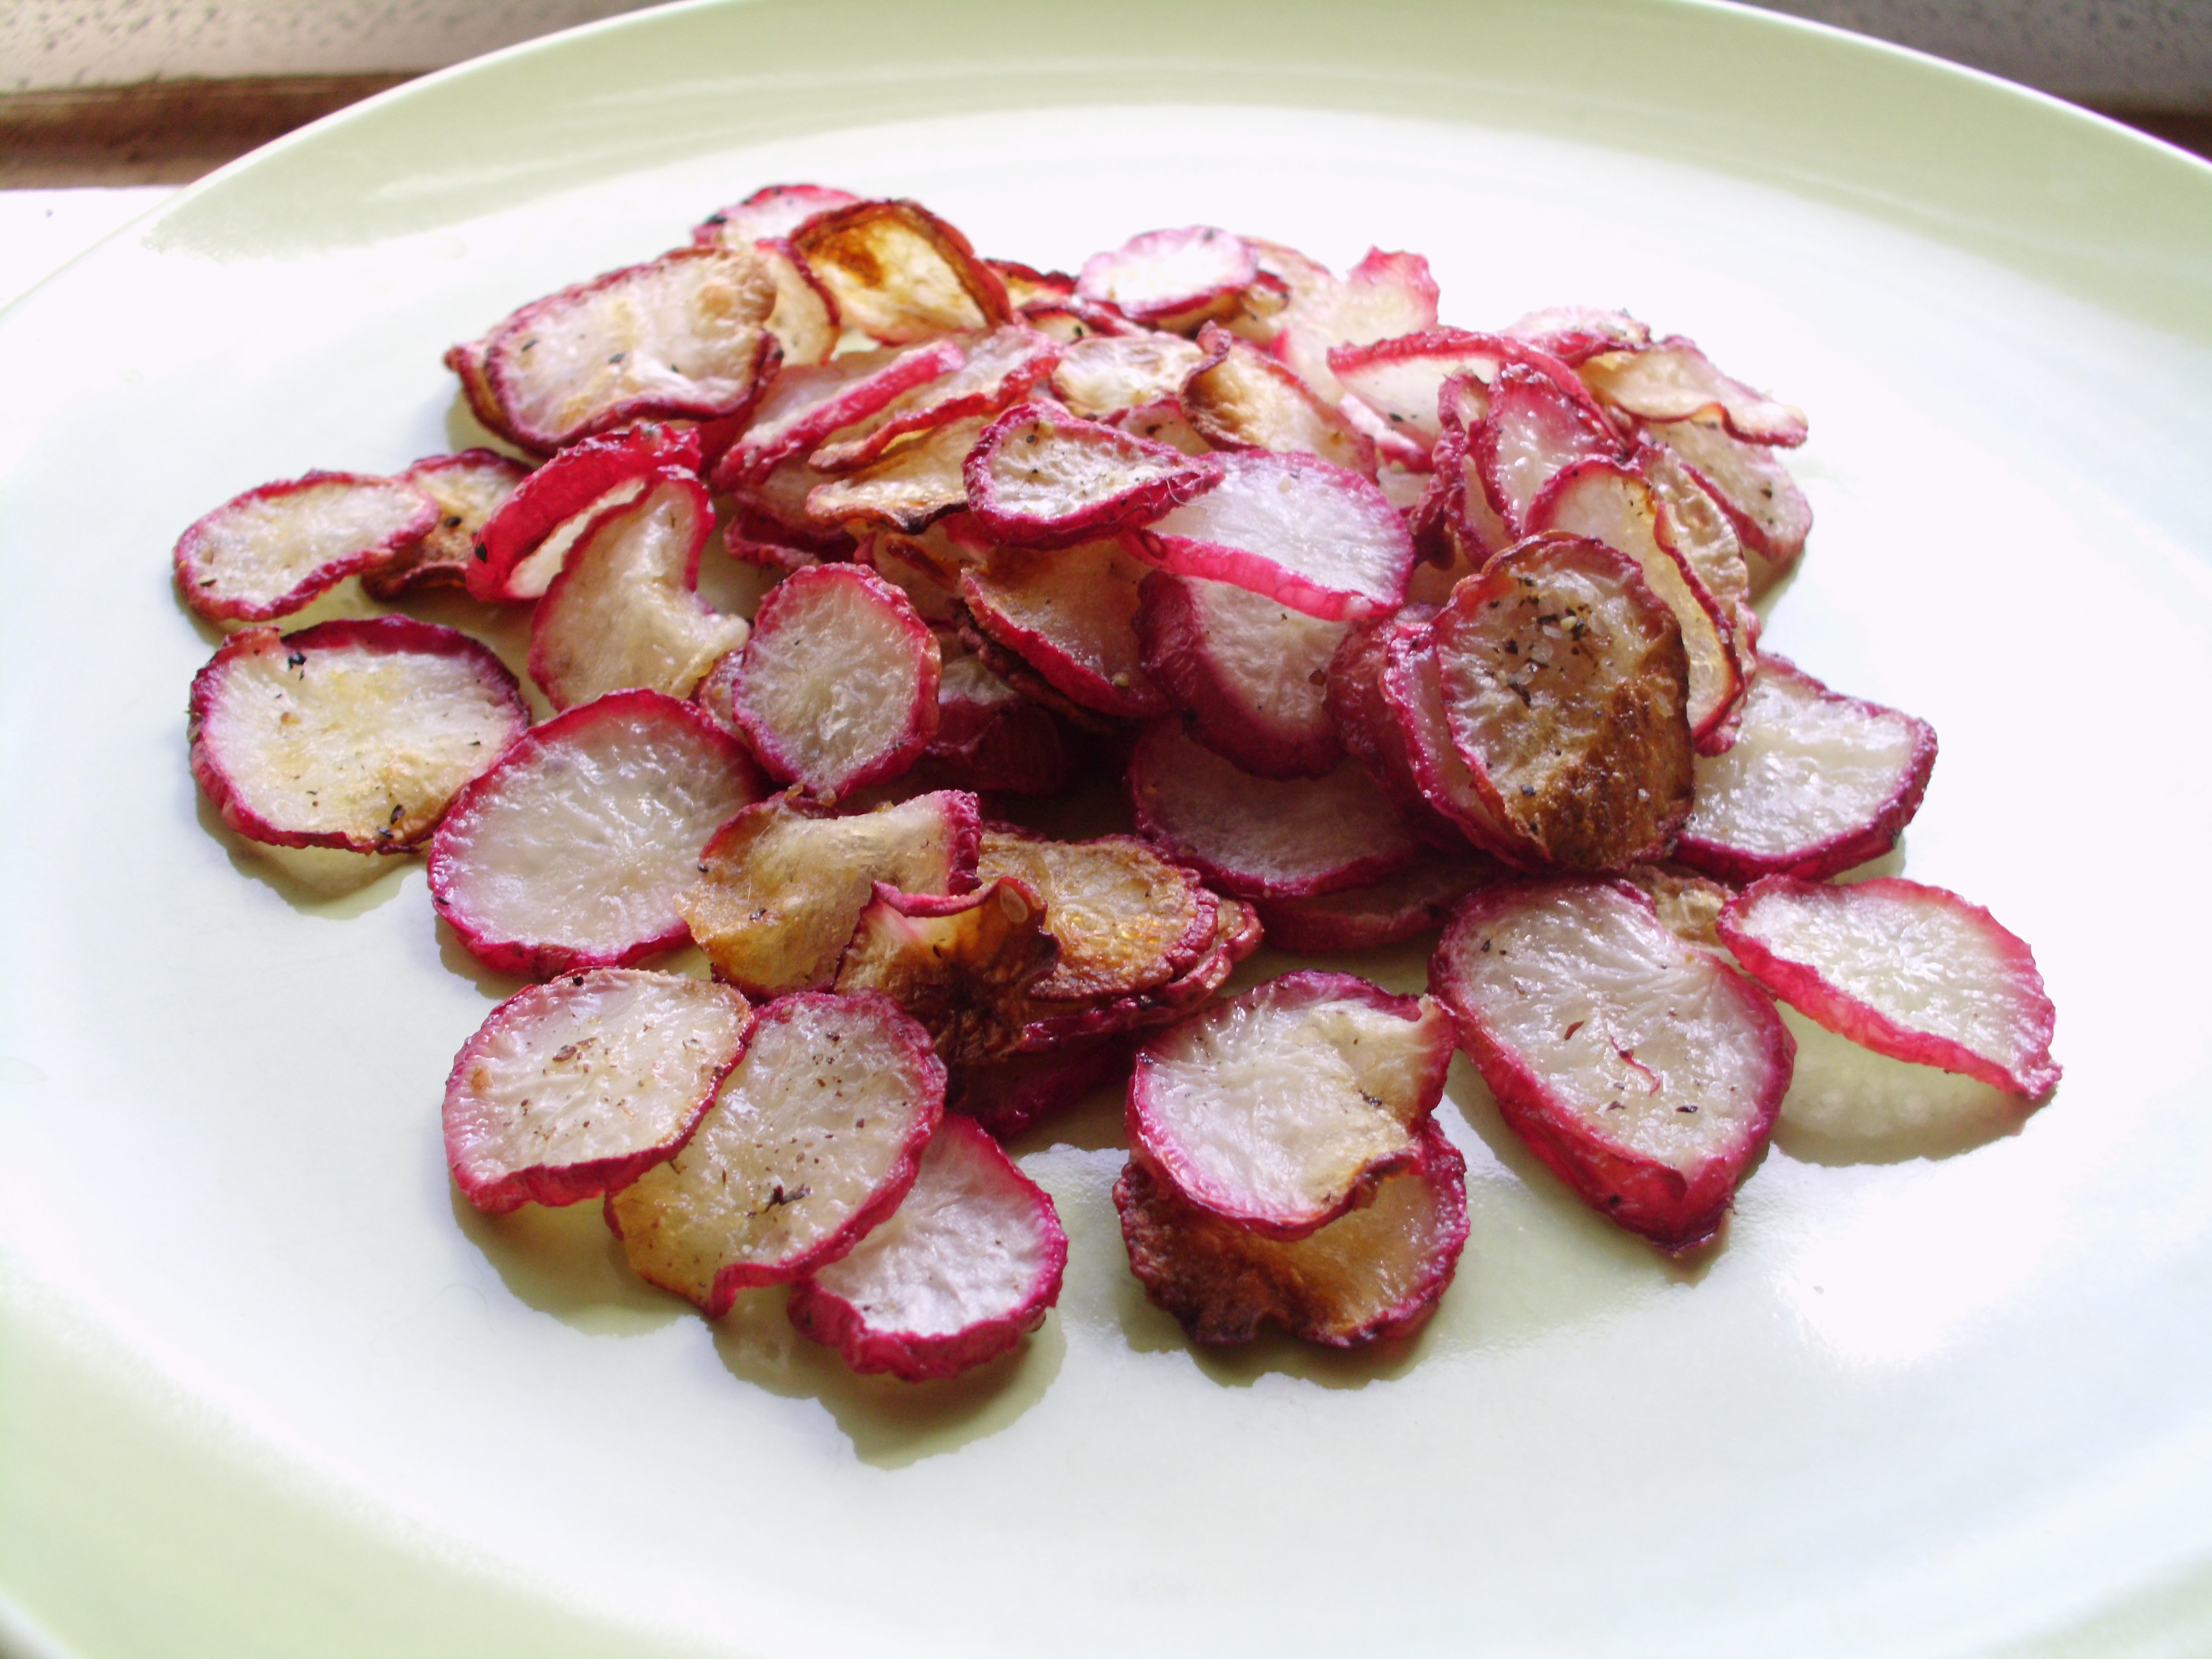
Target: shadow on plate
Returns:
[[1849, 1105], [316, 881], [564, 1261]]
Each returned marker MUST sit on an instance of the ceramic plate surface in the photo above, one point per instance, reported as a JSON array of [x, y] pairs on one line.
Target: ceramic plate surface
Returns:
[[267, 1388]]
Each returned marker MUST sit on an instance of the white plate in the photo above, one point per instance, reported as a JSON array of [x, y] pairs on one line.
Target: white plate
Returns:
[[267, 1387]]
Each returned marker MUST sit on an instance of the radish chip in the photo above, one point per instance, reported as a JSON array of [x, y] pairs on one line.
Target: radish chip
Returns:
[[1171, 279], [1384, 296], [1125, 919], [1104, 374], [1239, 398], [1071, 615], [961, 1270], [803, 405], [771, 213], [812, 1140], [906, 489], [1037, 478], [525, 541], [999, 369], [348, 734], [1673, 380], [900, 273], [572, 1089], [1908, 971], [1751, 483], [572, 851], [468, 489], [268, 552], [961, 966], [1642, 1070], [1252, 674], [1533, 433]]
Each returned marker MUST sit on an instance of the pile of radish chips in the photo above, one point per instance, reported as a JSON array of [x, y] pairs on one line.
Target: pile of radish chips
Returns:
[[1387, 626]]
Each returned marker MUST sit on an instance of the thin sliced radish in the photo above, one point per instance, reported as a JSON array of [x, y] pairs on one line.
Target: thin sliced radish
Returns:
[[1373, 1275], [574, 1089], [1412, 693], [1398, 908], [349, 734], [1908, 971], [803, 405], [1172, 279], [268, 552], [466, 360], [572, 851], [1563, 685], [1401, 378], [1251, 674], [812, 1140], [1313, 537], [1394, 450], [959, 1274], [1283, 1108], [1575, 334], [770, 213], [468, 488], [1642, 1070], [1368, 727], [1071, 615], [1816, 782], [1125, 918], [1753, 485], [805, 322], [900, 273], [1263, 837], [1038, 479], [523, 544], [1009, 1095], [1240, 398], [1000, 369], [1104, 374], [1027, 286], [838, 686], [782, 887], [1532, 432], [907, 489], [1673, 380], [684, 337], [961, 966], [1052, 1024], [624, 610], [989, 736], [1693, 525], [1384, 296]]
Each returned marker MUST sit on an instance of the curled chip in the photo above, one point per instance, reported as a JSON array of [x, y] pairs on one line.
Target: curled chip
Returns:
[[1369, 1275], [1575, 334], [1384, 296], [468, 489], [771, 213], [1908, 971], [961, 966], [1070, 615], [522, 545], [1673, 380], [1054, 1024], [349, 734], [1532, 432], [1643, 1070], [1251, 674], [1104, 375], [907, 489], [1172, 279], [1002, 369], [268, 552], [782, 886], [812, 1140], [1037, 478], [899, 272], [574, 1089], [1125, 919], [803, 405], [1239, 398], [1283, 1108], [1753, 486], [961, 1270]]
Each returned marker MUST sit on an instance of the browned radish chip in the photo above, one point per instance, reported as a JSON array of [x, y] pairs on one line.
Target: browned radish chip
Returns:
[[812, 1140], [805, 322], [1172, 279], [1038, 479], [1054, 1024], [1252, 674], [1908, 971], [781, 886], [683, 336], [1384, 296], [1164, 423], [468, 489], [1071, 615], [1575, 334], [1401, 378], [1263, 837], [574, 1089], [1398, 908], [1312, 536], [905, 490], [961, 1270], [1753, 486], [1412, 694], [1007, 1096], [1642, 1070], [999, 369], [1563, 685], [771, 212], [803, 405], [1239, 398], [572, 851], [900, 273], [1282, 1108], [1106, 373], [989, 736], [1027, 286], [1607, 503], [624, 610], [1126, 920], [1532, 432], [1689, 905], [1816, 782], [348, 734], [1374, 1273], [268, 552], [961, 966], [1673, 380], [838, 686], [521, 546]]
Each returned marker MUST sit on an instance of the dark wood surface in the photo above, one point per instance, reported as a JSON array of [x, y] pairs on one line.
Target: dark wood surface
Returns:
[[170, 133]]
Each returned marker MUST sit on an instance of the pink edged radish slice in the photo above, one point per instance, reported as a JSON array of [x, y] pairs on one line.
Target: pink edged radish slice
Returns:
[[803, 405], [1125, 919], [1102, 374], [1171, 279], [1532, 432], [572, 852], [989, 736], [1413, 695], [1673, 380], [468, 488], [899, 273], [1027, 286], [268, 552], [1908, 971], [1575, 334], [684, 337], [1240, 398], [1000, 370], [1384, 296], [805, 322], [782, 885], [771, 213], [906, 491], [624, 610], [1263, 837], [959, 1272], [1754, 487], [1281, 1108], [1039, 479], [1070, 615], [837, 687], [1252, 674], [1008, 1095], [1644, 1071], [812, 1140], [1309, 535], [1368, 1276], [1401, 378], [574, 1089], [349, 734], [522, 545], [1563, 686], [1052, 1025], [1398, 908], [1693, 525], [1815, 783], [961, 966]]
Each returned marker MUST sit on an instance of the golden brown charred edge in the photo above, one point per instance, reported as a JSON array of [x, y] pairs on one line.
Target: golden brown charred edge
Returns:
[[1689, 904], [961, 977], [1136, 947], [1196, 1266], [847, 250]]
